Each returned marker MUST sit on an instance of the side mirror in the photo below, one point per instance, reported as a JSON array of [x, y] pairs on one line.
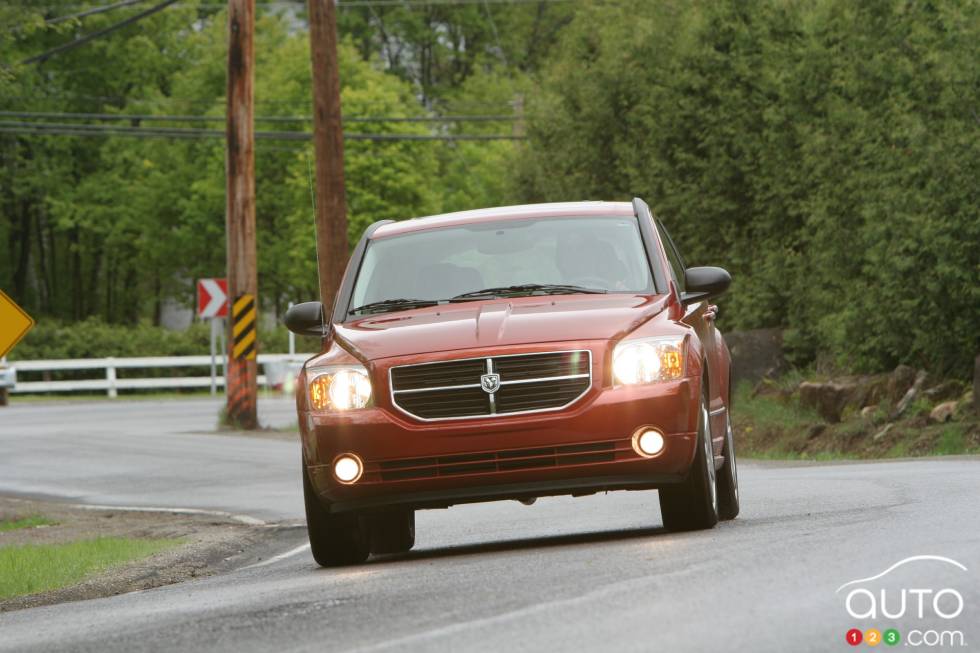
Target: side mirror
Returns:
[[704, 283], [306, 319]]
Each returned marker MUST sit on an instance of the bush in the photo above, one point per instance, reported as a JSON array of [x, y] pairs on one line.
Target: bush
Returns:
[[93, 338]]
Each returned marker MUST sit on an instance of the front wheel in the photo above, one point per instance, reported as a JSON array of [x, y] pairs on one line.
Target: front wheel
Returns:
[[335, 540], [728, 477], [392, 532], [693, 504]]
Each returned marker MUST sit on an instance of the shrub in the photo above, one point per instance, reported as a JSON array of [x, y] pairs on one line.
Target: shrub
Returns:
[[93, 338]]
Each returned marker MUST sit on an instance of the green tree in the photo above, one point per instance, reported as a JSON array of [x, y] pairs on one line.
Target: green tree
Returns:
[[438, 47], [111, 227], [824, 153]]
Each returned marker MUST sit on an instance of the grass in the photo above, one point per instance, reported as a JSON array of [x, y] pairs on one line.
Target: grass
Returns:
[[770, 411], [952, 441], [25, 522], [899, 450], [919, 407], [31, 568]]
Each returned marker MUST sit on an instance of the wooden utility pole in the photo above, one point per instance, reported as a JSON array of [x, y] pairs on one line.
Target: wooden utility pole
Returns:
[[241, 373], [328, 140]]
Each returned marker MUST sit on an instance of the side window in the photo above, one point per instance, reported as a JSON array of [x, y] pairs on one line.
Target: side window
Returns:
[[677, 266]]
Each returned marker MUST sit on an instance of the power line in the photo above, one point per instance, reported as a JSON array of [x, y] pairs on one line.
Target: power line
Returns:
[[482, 106], [347, 4], [45, 115], [82, 40], [70, 129], [94, 11]]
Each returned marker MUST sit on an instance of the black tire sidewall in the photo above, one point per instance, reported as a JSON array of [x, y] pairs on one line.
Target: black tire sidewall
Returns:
[[688, 506], [335, 540], [728, 497]]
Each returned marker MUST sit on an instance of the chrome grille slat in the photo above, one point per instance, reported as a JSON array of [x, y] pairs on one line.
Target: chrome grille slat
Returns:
[[439, 388], [528, 383]]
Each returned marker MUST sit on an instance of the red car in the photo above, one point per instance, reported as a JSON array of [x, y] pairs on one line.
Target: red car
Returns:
[[512, 353]]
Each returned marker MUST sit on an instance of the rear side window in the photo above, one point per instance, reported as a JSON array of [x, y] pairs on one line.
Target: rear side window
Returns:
[[677, 266]]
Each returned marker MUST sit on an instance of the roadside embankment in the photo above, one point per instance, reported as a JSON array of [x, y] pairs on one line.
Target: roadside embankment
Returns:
[[903, 413], [57, 552]]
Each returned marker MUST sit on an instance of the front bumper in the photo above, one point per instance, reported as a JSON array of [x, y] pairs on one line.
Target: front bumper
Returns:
[[583, 449]]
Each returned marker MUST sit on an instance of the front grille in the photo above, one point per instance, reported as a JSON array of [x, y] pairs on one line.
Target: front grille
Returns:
[[413, 377], [527, 383], [501, 461]]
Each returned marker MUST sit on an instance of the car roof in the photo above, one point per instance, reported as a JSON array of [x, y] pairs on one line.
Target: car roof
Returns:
[[519, 212]]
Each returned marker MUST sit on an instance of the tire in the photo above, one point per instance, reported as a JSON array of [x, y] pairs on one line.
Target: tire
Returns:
[[728, 476], [693, 504], [392, 532], [335, 540]]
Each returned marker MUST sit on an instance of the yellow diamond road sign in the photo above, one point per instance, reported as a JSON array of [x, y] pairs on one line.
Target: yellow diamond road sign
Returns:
[[14, 323]]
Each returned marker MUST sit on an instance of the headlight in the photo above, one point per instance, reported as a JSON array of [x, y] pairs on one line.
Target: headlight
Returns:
[[648, 360], [338, 388]]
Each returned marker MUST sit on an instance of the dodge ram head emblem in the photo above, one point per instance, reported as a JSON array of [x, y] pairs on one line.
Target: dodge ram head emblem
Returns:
[[490, 383]]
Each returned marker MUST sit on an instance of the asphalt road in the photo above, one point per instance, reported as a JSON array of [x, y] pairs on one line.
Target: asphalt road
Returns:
[[588, 574], [150, 453]]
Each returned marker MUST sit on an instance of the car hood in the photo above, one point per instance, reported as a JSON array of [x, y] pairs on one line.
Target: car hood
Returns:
[[499, 322]]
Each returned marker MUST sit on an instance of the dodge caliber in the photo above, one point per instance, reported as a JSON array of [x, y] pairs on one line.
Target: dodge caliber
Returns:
[[510, 354]]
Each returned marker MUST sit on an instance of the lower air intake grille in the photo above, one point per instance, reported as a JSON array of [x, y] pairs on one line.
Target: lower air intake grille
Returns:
[[498, 461]]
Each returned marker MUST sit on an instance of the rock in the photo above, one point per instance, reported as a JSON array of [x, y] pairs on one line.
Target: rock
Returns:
[[910, 395], [827, 399], [944, 391], [882, 433], [756, 354], [899, 382], [943, 412], [831, 399], [868, 412], [872, 390]]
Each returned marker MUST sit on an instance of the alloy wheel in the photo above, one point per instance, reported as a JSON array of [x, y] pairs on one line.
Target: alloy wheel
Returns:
[[709, 457], [730, 448]]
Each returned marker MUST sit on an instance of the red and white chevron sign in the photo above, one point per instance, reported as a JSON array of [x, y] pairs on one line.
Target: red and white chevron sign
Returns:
[[212, 298]]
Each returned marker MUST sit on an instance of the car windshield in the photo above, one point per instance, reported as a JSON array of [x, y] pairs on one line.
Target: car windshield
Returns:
[[603, 254]]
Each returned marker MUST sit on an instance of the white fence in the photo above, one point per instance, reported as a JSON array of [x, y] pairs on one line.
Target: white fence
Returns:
[[279, 364]]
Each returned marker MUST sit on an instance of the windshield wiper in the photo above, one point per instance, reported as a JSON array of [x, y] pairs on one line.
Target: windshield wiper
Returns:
[[393, 305], [528, 288]]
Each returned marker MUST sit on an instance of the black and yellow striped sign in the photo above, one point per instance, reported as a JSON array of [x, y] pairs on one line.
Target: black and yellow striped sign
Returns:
[[243, 328]]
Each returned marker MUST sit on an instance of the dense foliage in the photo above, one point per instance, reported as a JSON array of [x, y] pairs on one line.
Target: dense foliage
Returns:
[[112, 226], [827, 153], [94, 338]]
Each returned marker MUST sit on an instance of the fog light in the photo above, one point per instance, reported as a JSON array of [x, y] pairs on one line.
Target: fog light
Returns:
[[648, 442], [347, 468]]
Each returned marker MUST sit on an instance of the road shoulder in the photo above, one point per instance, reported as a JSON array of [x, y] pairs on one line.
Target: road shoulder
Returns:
[[210, 544]]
